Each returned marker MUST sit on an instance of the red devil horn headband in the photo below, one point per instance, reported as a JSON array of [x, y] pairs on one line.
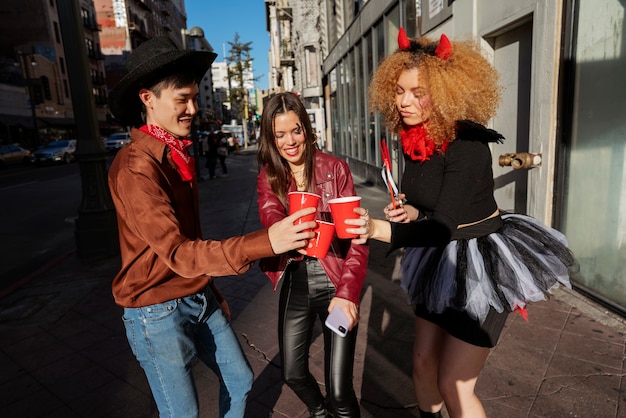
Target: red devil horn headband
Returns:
[[403, 40], [443, 50]]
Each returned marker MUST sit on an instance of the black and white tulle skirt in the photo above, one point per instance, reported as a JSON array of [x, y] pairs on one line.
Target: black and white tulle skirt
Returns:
[[507, 269]]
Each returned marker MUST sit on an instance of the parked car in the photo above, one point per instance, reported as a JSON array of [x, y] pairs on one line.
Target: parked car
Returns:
[[117, 141], [14, 154], [61, 151]]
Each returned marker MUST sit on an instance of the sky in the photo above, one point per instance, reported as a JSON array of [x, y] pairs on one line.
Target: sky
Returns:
[[221, 19]]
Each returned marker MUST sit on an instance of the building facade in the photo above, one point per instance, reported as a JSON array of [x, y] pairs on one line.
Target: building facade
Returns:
[[221, 89], [33, 57], [279, 23], [563, 100], [97, 70], [208, 109], [127, 23]]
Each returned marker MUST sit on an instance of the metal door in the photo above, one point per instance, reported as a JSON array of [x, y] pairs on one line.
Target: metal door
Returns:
[[512, 59]]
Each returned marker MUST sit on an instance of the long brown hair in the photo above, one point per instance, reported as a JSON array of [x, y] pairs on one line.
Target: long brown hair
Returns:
[[278, 171]]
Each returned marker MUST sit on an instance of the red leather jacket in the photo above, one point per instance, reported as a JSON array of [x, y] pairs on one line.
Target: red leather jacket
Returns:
[[346, 264]]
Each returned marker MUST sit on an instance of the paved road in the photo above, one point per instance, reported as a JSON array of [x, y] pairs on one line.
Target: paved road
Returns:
[[39, 205], [63, 352]]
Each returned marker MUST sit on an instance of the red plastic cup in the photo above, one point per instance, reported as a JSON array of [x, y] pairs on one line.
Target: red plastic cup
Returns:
[[301, 200], [342, 208], [320, 244]]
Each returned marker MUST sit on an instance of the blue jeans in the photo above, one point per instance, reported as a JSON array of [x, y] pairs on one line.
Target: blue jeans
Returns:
[[166, 337]]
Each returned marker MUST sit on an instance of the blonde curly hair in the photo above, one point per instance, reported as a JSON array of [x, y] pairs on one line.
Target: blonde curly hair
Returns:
[[464, 87]]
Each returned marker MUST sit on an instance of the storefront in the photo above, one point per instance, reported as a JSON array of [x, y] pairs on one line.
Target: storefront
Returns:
[[593, 201], [563, 99]]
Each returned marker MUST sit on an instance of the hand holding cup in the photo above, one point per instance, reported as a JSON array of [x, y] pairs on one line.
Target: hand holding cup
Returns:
[[365, 227], [287, 234], [342, 208], [300, 200], [360, 226]]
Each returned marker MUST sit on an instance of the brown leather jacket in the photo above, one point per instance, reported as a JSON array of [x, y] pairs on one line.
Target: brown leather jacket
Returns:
[[163, 254], [345, 264]]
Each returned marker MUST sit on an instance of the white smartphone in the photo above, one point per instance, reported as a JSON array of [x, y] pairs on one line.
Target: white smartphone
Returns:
[[338, 321]]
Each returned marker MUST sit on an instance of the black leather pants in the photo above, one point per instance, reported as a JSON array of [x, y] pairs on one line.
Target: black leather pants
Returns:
[[304, 297]]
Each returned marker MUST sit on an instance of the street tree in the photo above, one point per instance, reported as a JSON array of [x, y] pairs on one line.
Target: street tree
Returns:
[[239, 70]]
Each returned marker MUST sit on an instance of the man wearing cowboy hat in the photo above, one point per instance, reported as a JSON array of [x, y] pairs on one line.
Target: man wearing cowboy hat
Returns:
[[172, 311]]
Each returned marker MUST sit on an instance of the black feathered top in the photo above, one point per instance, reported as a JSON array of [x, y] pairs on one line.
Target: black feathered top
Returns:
[[449, 189]]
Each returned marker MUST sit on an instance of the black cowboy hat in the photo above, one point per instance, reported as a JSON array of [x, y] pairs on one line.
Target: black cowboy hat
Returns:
[[149, 63]]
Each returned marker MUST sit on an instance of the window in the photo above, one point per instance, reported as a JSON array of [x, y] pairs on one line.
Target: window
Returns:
[[84, 14], [57, 33], [311, 67], [45, 86], [90, 50], [368, 117], [595, 178]]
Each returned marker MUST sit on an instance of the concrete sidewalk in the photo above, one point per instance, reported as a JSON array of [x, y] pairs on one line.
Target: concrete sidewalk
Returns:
[[63, 351]]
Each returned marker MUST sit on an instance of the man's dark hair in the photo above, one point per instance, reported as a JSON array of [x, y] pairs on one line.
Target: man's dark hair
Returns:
[[175, 80]]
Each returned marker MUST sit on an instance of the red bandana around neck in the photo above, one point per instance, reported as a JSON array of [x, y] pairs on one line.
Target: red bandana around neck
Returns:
[[417, 145], [185, 163]]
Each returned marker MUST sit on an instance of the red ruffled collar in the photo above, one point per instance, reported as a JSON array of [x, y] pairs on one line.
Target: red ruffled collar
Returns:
[[417, 145]]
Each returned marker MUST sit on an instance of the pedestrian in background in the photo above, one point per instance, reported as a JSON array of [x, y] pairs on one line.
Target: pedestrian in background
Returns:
[[466, 265], [222, 153], [211, 154], [311, 287], [172, 310]]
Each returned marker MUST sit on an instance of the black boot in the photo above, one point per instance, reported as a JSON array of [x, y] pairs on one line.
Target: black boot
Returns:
[[319, 412], [430, 414]]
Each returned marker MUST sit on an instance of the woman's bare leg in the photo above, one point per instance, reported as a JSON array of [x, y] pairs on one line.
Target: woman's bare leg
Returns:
[[460, 364], [426, 358]]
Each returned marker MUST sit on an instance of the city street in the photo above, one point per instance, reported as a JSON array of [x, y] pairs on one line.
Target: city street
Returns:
[[64, 352], [39, 205]]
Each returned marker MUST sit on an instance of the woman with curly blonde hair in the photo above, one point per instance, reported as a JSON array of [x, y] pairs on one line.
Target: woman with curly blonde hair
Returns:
[[463, 88], [465, 264]]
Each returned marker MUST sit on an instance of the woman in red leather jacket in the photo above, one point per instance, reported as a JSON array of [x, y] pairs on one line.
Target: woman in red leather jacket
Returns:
[[311, 287]]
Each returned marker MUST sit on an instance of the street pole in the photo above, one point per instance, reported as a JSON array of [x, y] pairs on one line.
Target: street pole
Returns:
[[31, 97], [183, 36], [96, 225], [244, 122]]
